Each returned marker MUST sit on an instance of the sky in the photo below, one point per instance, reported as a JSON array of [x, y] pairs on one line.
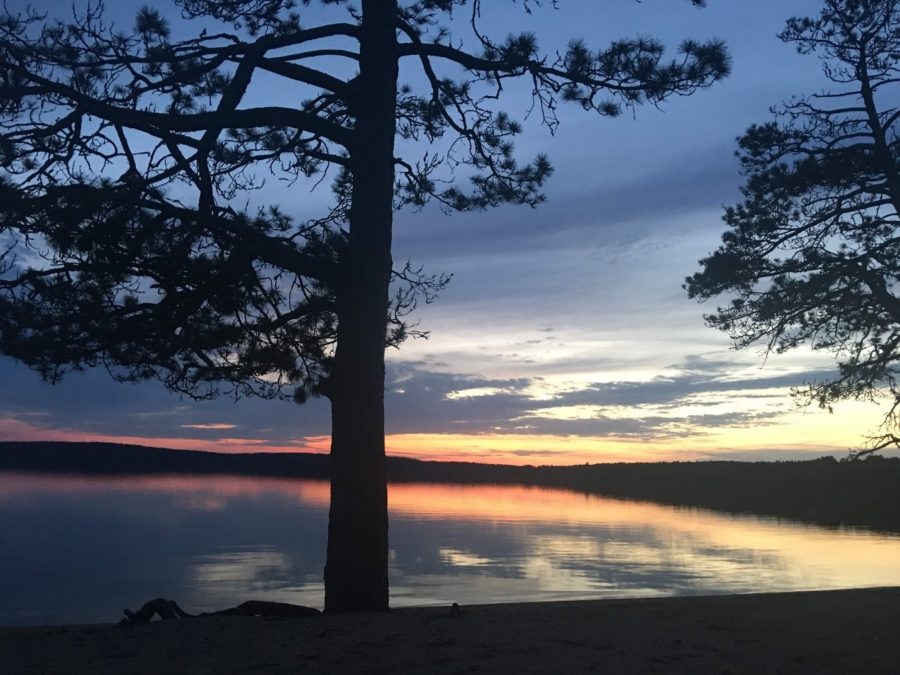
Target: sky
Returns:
[[565, 336]]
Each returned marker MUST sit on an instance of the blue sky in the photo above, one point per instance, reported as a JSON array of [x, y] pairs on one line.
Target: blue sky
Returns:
[[565, 335]]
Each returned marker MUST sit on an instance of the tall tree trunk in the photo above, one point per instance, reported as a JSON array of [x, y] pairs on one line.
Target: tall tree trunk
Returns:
[[356, 574]]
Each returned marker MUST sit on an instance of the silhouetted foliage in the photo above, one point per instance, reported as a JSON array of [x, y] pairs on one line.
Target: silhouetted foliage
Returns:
[[812, 254], [128, 157]]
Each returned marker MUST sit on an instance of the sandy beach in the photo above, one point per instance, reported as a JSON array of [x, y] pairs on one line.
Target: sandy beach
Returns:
[[850, 631]]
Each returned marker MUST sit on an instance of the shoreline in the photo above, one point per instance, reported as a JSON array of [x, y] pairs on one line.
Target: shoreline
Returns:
[[810, 631], [821, 491]]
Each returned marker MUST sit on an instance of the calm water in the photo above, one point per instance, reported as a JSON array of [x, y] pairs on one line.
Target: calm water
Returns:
[[76, 549]]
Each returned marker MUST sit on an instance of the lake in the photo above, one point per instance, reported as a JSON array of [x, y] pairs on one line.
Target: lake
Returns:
[[78, 549]]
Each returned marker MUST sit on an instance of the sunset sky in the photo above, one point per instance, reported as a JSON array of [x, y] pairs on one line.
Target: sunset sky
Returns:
[[565, 336]]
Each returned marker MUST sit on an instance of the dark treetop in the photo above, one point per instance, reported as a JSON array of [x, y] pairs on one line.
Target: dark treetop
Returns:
[[812, 254], [127, 156], [127, 161]]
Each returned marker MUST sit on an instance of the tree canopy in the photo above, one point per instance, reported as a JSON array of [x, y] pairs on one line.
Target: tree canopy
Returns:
[[812, 254], [127, 156], [127, 160]]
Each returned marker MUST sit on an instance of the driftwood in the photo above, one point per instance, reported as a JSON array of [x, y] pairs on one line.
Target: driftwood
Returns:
[[169, 609]]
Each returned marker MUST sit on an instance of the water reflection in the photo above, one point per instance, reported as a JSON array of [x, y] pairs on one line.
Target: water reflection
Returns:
[[81, 548]]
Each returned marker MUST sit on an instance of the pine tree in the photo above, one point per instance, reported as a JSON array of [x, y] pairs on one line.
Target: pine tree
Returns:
[[127, 159], [811, 254]]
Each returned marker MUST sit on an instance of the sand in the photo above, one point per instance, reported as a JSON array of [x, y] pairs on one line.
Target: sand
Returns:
[[817, 632]]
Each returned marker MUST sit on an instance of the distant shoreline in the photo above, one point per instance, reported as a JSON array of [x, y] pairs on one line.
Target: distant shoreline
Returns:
[[822, 491], [850, 631]]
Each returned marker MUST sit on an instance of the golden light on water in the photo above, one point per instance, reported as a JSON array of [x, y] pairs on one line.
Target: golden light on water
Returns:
[[470, 543], [568, 531]]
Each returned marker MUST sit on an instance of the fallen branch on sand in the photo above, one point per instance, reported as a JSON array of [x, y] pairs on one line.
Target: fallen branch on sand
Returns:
[[169, 609]]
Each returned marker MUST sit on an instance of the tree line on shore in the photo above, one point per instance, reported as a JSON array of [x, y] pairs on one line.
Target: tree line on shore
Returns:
[[824, 491]]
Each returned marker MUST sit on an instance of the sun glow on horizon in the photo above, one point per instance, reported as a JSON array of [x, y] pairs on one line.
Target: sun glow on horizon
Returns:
[[808, 433]]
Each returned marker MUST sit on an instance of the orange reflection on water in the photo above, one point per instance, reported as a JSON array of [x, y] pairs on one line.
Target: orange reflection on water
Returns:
[[561, 533], [199, 487], [576, 527], [493, 502]]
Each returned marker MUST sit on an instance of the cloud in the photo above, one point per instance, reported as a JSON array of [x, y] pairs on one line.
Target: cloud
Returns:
[[673, 390], [701, 395], [620, 216], [91, 402], [663, 407]]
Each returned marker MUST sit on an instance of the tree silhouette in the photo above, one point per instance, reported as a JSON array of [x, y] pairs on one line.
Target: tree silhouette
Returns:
[[811, 254], [128, 157]]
